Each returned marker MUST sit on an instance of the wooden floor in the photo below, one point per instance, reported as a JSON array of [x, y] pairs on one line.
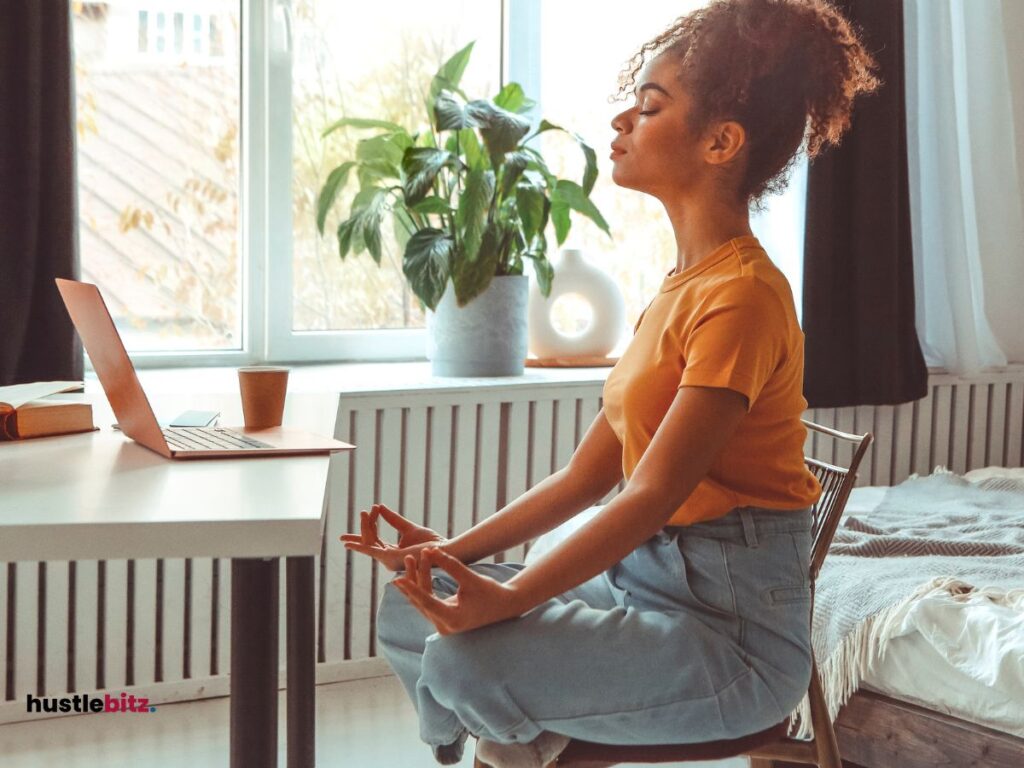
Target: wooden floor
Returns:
[[360, 724]]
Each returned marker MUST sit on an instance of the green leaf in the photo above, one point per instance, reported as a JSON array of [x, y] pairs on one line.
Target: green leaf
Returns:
[[474, 203], [560, 218], [432, 204], [545, 274], [335, 181], [571, 193], [500, 129], [537, 164], [360, 122], [421, 166], [512, 98], [471, 278], [449, 114], [469, 145], [589, 156], [402, 225], [345, 232], [367, 213], [427, 264], [530, 204], [450, 74], [379, 158], [382, 154], [512, 170]]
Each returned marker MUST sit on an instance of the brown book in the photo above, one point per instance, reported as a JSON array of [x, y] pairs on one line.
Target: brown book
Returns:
[[38, 418]]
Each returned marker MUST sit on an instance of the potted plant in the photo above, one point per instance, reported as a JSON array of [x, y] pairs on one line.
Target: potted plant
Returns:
[[469, 202]]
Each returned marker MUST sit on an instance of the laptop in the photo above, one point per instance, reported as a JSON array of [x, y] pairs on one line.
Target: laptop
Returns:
[[135, 416]]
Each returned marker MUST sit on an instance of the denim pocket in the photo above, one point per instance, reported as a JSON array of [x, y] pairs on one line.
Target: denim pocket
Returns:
[[705, 572]]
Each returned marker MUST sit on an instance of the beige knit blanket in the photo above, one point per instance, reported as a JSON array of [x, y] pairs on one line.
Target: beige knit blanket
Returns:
[[939, 533]]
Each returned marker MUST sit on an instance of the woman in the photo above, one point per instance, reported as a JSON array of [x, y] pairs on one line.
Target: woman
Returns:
[[680, 612]]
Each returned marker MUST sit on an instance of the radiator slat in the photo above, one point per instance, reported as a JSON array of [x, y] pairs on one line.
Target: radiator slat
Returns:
[[903, 433], [86, 608], [543, 434], [517, 427], [26, 650], [415, 479], [489, 432], [884, 431], [335, 610], [388, 491], [9, 622], [564, 432], [440, 457], [115, 625], [144, 638], [174, 619], [960, 433], [361, 566], [223, 615], [979, 429], [1015, 425], [56, 626], [995, 450], [460, 505], [200, 616]]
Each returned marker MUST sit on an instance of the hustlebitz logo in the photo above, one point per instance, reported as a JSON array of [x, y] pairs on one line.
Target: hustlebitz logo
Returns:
[[83, 702]]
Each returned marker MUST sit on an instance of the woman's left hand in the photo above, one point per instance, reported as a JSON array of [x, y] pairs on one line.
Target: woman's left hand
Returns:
[[479, 600]]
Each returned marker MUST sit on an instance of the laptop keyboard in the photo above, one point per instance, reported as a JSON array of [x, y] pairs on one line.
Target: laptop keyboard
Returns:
[[209, 438]]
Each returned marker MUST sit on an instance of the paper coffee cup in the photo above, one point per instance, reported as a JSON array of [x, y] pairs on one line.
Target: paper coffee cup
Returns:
[[263, 389]]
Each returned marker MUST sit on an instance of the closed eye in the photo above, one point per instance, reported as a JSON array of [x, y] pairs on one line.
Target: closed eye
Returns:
[[649, 112]]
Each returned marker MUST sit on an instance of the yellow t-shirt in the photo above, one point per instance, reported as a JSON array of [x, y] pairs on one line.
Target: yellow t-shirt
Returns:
[[726, 321]]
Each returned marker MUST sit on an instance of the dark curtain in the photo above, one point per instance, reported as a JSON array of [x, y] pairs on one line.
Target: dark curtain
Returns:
[[38, 216], [861, 345]]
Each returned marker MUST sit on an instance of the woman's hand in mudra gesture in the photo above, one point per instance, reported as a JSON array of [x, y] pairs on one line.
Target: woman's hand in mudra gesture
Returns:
[[479, 600], [411, 538]]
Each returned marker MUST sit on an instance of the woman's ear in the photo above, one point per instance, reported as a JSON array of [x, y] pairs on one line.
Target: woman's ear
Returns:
[[725, 141]]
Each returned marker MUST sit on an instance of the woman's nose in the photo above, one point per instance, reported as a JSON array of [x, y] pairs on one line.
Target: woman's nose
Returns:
[[619, 122]]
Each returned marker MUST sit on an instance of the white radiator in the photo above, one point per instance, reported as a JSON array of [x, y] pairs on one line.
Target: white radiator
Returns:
[[160, 628]]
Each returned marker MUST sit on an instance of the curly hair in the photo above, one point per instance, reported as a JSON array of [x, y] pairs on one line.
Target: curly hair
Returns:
[[774, 66]]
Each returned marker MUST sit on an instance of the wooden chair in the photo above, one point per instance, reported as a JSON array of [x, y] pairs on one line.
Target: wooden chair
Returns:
[[771, 744]]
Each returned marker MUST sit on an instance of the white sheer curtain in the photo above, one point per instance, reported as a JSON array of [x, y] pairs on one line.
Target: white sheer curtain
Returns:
[[965, 193]]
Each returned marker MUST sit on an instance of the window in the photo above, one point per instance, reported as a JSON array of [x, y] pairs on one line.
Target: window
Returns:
[[158, 175], [201, 157]]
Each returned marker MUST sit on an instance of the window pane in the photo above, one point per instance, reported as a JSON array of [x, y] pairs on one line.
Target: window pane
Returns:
[[372, 61], [576, 85], [158, 172]]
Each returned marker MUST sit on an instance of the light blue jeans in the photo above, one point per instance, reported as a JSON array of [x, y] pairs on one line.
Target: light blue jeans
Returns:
[[700, 633]]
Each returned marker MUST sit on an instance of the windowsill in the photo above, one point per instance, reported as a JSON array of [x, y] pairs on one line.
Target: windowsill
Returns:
[[352, 378], [414, 376]]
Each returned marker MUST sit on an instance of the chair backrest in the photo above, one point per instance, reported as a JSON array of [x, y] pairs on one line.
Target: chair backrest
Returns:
[[836, 483]]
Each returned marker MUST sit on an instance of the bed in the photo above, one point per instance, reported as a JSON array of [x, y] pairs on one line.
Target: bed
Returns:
[[947, 687]]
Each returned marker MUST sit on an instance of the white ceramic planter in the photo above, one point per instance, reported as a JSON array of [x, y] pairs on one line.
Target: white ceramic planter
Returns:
[[487, 337], [574, 274]]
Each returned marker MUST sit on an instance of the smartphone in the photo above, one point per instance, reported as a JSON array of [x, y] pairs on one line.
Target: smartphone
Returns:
[[195, 419]]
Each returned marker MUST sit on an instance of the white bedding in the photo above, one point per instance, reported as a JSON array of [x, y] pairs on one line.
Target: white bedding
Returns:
[[965, 659]]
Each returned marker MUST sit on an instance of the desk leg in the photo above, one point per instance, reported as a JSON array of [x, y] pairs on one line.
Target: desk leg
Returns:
[[254, 662], [301, 664]]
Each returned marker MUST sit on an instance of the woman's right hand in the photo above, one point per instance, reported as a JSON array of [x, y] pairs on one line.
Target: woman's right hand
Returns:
[[411, 538]]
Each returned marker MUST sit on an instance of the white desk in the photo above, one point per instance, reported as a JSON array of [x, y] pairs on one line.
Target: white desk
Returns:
[[99, 495]]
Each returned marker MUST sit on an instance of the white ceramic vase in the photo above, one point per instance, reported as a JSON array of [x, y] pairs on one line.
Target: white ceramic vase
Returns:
[[487, 337], [574, 274]]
